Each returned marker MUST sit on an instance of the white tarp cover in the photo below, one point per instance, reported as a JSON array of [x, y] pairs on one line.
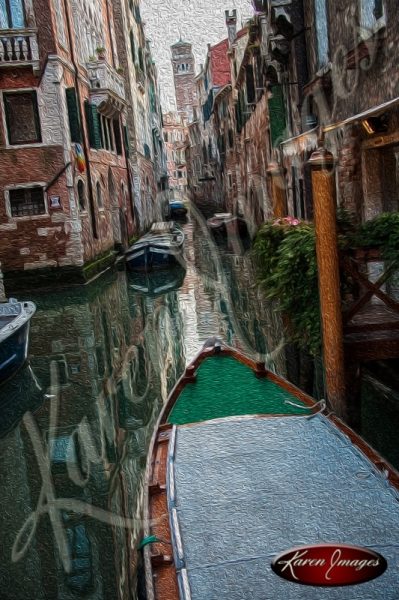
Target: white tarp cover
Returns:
[[248, 489]]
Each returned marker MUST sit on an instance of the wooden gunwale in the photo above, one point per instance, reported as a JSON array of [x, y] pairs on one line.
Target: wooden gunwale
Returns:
[[165, 570]]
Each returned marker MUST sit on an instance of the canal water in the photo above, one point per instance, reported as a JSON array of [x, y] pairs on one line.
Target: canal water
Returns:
[[76, 422]]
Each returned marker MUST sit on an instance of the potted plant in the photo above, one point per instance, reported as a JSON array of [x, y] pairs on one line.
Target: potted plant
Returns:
[[100, 53], [120, 70]]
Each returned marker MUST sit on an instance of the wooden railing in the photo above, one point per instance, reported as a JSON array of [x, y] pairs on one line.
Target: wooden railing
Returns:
[[372, 308]]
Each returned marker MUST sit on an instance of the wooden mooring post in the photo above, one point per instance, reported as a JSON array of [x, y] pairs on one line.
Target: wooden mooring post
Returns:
[[324, 206]]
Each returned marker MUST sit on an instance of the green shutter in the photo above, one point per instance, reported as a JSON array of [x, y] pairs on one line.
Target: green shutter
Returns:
[[277, 115], [73, 115], [93, 125], [126, 141]]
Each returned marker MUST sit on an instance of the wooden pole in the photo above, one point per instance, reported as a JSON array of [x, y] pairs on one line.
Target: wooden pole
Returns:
[[323, 185], [278, 191]]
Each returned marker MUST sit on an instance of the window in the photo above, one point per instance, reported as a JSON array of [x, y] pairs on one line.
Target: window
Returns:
[[22, 117], [250, 84], [165, 136], [371, 11], [141, 59], [26, 202], [105, 130], [321, 32], [231, 138], [12, 14], [117, 136], [81, 195], [100, 203], [132, 47], [179, 174]]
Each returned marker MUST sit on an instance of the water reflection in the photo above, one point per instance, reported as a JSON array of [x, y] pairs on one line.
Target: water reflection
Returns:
[[74, 442]]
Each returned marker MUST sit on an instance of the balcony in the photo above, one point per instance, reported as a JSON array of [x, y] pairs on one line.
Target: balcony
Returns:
[[19, 48], [104, 79]]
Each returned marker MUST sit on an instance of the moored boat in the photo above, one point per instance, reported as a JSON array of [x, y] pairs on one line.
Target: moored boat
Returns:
[[244, 466], [177, 209], [14, 336], [160, 248], [227, 224]]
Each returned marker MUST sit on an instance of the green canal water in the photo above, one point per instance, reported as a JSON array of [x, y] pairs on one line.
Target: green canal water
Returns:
[[76, 422]]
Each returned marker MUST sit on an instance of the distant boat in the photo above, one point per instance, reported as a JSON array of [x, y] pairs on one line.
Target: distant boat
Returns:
[[160, 248], [159, 282], [14, 336], [177, 209], [243, 466], [227, 223]]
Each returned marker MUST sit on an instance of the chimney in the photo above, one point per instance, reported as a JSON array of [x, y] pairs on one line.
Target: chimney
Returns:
[[231, 22]]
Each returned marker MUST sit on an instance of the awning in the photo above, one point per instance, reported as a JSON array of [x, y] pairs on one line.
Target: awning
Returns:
[[305, 142], [363, 115], [308, 140]]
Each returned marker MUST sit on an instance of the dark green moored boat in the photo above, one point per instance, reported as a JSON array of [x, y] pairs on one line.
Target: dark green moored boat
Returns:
[[244, 466]]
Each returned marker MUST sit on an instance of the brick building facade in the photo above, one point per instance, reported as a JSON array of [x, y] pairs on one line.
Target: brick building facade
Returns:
[[174, 134], [61, 99], [69, 190]]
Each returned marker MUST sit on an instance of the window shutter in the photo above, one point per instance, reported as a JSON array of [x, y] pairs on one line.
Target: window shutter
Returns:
[[93, 125], [73, 115], [277, 115], [126, 141]]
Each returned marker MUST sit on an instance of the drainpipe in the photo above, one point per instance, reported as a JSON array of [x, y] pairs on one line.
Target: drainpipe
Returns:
[[84, 143], [110, 36]]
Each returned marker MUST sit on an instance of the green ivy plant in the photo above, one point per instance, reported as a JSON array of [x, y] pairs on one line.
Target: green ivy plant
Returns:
[[381, 232], [285, 256]]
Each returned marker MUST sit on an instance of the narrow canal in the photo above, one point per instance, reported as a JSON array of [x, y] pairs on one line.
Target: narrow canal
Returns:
[[77, 421]]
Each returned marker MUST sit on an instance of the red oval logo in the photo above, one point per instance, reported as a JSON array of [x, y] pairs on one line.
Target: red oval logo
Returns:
[[329, 565]]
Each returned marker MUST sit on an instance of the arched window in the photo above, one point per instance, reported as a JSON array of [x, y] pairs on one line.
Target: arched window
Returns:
[[100, 203], [81, 195]]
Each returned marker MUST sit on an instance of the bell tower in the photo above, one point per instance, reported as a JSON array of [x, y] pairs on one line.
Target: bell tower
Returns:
[[183, 64]]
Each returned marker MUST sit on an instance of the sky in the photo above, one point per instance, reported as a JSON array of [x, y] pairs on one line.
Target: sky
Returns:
[[197, 21]]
